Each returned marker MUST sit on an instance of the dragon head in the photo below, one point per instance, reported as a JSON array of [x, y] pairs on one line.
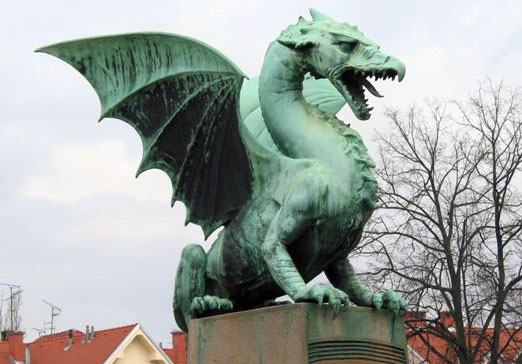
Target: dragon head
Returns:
[[342, 54]]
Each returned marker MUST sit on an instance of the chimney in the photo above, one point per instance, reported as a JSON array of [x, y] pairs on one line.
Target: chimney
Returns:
[[15, 341], [415, 319], [447, 320], [86, 334], [93, 333], [69, 340], [179, 344]]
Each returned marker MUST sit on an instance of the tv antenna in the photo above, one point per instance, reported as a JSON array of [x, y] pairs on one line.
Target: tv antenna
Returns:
[[15, 292], [39, 331], [55, 311]]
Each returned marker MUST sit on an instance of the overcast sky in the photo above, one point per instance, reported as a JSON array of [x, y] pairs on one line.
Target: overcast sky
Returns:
[[79, 231]]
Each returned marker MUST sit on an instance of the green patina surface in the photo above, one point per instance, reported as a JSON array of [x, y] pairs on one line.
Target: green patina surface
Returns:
[[266, 159]]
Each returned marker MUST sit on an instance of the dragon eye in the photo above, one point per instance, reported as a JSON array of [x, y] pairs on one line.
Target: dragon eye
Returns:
[[347, 47]]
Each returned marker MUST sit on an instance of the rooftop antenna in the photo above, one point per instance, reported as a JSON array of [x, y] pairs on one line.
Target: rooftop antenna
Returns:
[[14, 291], [39, 331], [55, 311]]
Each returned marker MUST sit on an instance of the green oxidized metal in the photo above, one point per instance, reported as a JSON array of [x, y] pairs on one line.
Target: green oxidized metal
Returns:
[[290, 183]]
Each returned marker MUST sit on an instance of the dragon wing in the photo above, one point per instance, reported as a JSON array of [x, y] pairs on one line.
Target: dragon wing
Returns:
[[181, 96]]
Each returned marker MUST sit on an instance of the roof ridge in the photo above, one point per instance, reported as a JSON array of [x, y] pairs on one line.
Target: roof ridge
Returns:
[[117, 328], [56, 336], [62, 334]]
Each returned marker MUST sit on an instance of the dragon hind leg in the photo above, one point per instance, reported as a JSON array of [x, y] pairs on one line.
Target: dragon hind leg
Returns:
[[189, 290]]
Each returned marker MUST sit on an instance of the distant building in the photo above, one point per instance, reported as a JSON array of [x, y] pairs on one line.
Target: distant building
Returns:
[[178, 352], [430, 349], [121, 345]]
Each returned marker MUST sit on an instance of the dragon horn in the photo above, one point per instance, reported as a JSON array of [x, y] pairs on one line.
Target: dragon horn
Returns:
[[317, 15]]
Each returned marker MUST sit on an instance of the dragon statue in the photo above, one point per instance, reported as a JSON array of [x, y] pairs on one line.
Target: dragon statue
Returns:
[[267, 160]]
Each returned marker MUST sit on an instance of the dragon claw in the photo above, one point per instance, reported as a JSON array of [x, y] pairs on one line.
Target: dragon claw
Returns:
[[204, 304], [322, 293], [197, 305], [317, 293], [377, 301], [391, 301]]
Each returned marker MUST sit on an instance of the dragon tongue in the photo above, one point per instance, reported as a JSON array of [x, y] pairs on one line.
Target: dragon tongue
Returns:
[[370, 87]]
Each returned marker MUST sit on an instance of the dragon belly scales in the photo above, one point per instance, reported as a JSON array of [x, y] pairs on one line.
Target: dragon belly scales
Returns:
[[266, 159]]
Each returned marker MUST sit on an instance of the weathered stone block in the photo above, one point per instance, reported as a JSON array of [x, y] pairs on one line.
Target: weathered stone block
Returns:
[[298, 334]]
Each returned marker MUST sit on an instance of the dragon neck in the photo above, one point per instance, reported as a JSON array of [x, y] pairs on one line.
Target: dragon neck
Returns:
[[298, 129]]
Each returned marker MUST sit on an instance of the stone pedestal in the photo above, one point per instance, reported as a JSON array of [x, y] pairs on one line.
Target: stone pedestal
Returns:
[[298, 334]]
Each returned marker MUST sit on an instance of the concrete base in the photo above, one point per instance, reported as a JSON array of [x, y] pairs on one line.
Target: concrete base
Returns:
[[301, 333]]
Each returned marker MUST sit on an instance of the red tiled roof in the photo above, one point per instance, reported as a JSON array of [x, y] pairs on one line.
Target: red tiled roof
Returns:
[[50, 348], [426, 351], [425, 345], [169, 352]]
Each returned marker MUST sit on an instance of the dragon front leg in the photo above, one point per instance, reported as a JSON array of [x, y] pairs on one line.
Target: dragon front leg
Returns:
[[295, 216], [277, 258], [342, 276], [284, 271]]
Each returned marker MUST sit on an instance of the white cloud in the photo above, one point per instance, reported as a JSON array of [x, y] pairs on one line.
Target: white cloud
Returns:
[[83, 170]]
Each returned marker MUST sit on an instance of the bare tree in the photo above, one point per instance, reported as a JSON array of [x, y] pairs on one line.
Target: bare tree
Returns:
[[13, 316], [448, 234], [10, 310]]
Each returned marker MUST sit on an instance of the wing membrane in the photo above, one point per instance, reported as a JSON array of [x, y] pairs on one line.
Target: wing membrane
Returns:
[[181, 96]]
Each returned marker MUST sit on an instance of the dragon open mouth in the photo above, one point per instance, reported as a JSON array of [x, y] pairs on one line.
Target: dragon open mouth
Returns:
[[353, 82]]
